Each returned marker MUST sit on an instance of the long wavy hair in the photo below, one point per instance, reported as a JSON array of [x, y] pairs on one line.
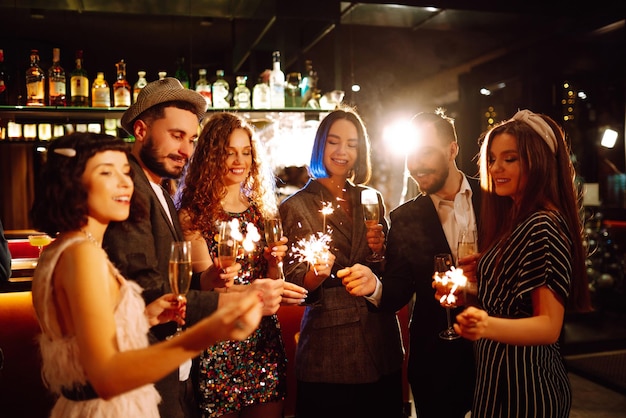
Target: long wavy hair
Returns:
[[549, 182], [60, 203], [362, 170], [202, 187]]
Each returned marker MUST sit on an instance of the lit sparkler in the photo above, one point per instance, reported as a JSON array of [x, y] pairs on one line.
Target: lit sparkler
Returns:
[[252, 236], [327, 209], [453, 280], [314, 250]]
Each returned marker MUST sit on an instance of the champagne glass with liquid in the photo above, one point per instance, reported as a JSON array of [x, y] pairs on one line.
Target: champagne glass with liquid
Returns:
[[273, 235], [443, 263], [371, 211], [180, 271], [228, 246], [39, 241], [467, 244]]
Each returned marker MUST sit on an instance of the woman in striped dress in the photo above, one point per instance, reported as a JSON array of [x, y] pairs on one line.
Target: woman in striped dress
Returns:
[[531, 270]]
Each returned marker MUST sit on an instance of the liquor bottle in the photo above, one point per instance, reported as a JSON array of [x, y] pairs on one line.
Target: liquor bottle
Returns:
[[141, 83], [56, 81], [309, 82], [4, 80], [203, 87], [121, 87], [293, 92], [181, 74], [79, 83], [100, 92], [220, 91], [242, 93], [277, 83], [35, 81], [261, 95]]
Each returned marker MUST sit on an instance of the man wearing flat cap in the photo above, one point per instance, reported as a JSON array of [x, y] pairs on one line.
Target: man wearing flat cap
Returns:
[[165, 124]]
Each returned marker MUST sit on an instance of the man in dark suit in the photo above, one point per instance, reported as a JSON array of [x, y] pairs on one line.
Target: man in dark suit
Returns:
[[165, 124], [441, 372]]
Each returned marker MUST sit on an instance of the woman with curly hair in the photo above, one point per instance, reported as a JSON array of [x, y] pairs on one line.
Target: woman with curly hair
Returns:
[[227, 180]]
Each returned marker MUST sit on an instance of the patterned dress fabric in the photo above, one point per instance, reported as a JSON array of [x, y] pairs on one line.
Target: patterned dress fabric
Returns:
[[60, 354], [238, 374], [523, 381]]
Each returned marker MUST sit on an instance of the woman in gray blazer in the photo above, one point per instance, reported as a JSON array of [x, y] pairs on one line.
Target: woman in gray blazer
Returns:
[[349, 355]]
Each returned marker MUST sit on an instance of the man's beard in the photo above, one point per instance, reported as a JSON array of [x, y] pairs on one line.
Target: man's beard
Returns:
[[149, 157], [440, 180]]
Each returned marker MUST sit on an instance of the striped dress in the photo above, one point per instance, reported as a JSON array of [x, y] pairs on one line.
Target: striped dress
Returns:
[[523, 381]]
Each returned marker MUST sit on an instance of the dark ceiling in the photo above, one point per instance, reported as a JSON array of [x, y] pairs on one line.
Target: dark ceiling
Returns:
[[373, 40]]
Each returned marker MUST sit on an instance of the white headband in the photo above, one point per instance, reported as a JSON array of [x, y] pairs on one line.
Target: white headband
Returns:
[[539, 125]]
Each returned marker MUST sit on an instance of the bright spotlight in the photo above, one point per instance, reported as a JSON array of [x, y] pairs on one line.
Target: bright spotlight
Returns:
[[356, 87], [609, 138], [401, 136], [485, 92]]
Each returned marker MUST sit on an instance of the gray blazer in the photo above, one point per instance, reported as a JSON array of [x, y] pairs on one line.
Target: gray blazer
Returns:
[[343, 339]]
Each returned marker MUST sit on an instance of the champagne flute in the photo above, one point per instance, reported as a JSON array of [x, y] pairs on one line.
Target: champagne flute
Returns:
[[180, 271], [228, 246], [39, 241], [371, 210], [443, 263], [467, 244], [273, 235]]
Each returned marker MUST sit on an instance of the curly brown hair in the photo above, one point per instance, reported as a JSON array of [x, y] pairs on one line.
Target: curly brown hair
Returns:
[[202, 187]]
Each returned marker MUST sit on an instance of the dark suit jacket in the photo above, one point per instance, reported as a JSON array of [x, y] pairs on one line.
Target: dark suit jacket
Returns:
[[343, 339], [141, 252], [415, 236]]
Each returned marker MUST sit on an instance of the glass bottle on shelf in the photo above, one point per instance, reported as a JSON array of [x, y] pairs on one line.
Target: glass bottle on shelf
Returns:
[[261, 95], [141, 83], [4, 80], [309, 82], [293, 94], [35, 81], [100, 92], [220, 91], [56, 81], [181, 74], [79, 83], [121, 87], [277, 83], [162, 75], [242, 93], [203, 87]]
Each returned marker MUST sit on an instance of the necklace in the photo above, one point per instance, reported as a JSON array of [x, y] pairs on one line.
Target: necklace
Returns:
[[90, 237]]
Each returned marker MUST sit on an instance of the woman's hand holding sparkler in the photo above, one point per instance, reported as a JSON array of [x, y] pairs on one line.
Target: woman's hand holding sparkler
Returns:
[[359, 280], [274, 254]]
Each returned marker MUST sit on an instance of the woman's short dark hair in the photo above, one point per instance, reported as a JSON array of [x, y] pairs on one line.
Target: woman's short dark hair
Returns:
[[60, 198], [362, 170]]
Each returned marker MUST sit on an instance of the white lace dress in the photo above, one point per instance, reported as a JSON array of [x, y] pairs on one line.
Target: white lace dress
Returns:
[[61, 367]]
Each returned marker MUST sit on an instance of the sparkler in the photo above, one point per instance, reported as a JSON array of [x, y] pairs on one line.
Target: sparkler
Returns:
[[327, 209], [453, 280]]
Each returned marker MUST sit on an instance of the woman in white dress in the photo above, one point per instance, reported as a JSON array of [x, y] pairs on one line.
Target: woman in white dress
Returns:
[[94, 323]]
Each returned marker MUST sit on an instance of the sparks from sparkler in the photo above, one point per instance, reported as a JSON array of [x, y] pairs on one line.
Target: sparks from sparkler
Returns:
[[314, 250], [454, 280], [327, 209]]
